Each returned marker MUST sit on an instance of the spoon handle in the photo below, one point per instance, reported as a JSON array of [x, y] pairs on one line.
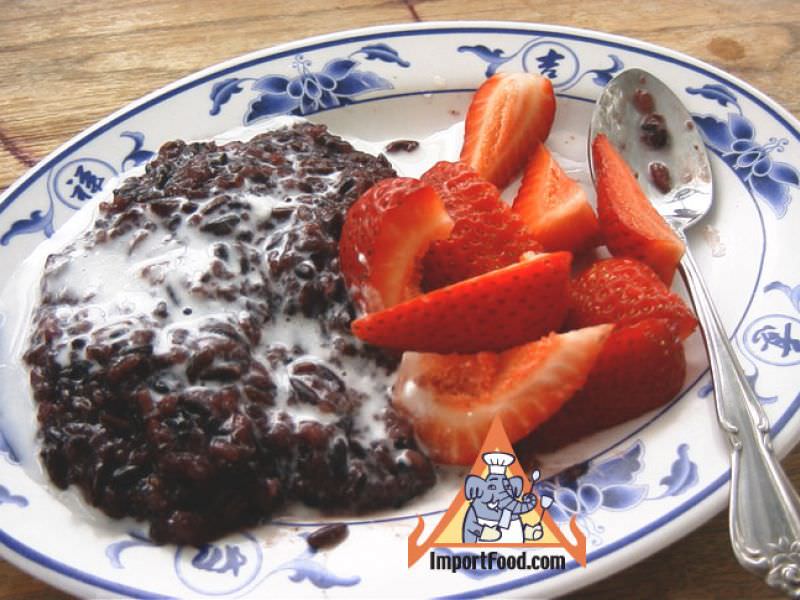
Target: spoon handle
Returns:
[[764, 508]]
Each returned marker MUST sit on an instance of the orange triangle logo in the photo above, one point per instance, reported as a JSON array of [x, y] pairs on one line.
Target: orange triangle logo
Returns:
[[496, 507]]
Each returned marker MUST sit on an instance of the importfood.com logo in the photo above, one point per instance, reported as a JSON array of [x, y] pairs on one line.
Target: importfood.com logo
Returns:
[[497, 521]]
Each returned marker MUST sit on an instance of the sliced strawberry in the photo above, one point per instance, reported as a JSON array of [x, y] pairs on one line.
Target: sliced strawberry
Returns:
[[508, 115], [641, 367], [452, 399], [487, 235], [554, 207], [494, 311], [385, 234], [629, 223], [624, 291]]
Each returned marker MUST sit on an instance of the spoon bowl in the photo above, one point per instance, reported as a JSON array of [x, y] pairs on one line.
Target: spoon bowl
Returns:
[[649, 126], [637, 112]]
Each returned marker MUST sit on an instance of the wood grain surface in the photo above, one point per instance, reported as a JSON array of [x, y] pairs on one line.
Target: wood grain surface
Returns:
[[64, 65]]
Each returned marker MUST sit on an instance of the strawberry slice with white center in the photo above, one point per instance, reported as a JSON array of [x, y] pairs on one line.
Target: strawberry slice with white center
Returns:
[[451, 400], [494, 311], [385, 235], [555, 208], [509, 114]]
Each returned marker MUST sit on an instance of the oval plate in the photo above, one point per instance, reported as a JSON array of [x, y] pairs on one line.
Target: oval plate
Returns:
[[644, 484]]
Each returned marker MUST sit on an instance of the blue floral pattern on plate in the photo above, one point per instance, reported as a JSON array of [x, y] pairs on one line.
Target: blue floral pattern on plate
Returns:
[[682, 475], [734, 141], [752, 378], [114, 551], [610, 483], [614, 488], [7, 497], [226, 567], [553, 59], [792, 293], [336, 84], [74, 184], [37, 221], [707, 388], [138, 154], [305, 568]]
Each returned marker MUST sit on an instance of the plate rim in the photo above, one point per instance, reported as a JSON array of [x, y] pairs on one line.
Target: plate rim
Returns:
[[688, 515]]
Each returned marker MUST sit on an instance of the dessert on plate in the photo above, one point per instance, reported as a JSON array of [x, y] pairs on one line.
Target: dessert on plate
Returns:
[[191, 356], [283, 319]]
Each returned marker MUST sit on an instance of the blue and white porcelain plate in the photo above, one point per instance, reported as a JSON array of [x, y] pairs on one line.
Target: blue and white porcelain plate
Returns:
[[645, 484]]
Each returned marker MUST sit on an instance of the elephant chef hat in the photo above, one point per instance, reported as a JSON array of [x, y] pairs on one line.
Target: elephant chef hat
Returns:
[[498, 461]]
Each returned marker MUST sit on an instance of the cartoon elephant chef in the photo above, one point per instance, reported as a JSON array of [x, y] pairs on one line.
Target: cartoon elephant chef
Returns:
[[494, 511]]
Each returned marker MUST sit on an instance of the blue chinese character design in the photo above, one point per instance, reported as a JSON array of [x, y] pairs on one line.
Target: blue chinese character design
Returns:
[[84, 183], [74, 184], [212, 558], [553, 59], [549, 62], [771, 339], [768, 335]]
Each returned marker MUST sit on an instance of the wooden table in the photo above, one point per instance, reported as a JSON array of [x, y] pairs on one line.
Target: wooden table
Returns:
[[66, 65]]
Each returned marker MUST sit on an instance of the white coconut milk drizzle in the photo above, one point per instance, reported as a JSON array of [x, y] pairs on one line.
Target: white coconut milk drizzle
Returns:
[[120, 280]]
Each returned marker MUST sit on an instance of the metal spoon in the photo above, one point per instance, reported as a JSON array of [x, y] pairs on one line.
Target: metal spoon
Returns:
[[764, 508]]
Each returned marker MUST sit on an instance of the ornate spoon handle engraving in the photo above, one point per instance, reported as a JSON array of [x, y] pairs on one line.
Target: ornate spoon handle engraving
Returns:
[[764, 508]]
